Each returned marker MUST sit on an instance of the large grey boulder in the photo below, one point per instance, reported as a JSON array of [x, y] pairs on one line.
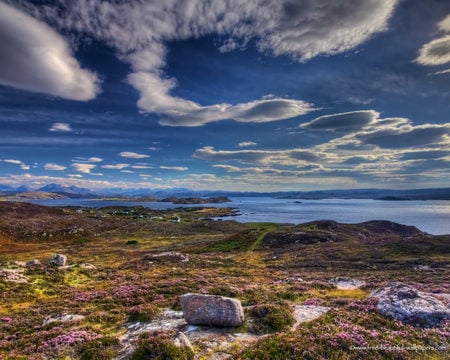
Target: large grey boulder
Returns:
[[407, 304], [58, 260], [212, 310]]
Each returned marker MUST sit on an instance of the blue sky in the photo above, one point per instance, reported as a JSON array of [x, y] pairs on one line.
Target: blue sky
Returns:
[[233, 95]]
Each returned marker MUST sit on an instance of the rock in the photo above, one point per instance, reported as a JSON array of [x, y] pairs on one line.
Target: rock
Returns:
[[304, 313], [347, 283], [182, 341], [58, 260], [88, 266], [20, 263], [33, 263], [212, 310], [421, 267], [167, 255], [62, 318], [407, 304], [13, 275]]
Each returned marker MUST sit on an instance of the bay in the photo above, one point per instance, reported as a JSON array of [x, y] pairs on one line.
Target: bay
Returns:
[[431, 216]]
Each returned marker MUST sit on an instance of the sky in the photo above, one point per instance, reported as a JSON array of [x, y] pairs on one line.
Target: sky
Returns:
[[239, 95]]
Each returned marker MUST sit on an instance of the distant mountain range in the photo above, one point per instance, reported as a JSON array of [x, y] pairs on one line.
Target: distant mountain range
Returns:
[[379, 194]]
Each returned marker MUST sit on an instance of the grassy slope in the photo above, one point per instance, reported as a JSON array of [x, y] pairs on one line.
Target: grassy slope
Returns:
[[257, 263]]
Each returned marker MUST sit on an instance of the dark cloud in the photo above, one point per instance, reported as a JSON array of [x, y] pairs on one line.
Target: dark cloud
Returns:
[[403, 138], [425, 155], [343, 122]]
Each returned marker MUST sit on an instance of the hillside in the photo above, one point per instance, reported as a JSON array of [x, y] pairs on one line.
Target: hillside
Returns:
[[128, 266]]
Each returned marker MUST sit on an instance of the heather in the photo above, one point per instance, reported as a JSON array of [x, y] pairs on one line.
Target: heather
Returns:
[[125, 275]]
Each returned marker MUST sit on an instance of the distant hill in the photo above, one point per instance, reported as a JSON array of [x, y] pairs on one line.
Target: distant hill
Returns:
[[69, 191], [377, 194], [34, 195]]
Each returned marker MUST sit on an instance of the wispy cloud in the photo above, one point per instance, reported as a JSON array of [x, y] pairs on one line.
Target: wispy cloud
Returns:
[[115, 166], [175, 168], [13, 161], [54, 167], [133, 155], [36, 58], [60, 127], [142, 167], [22, 165]]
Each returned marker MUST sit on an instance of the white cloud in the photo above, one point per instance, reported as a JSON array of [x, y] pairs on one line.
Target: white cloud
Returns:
[[175, 111], [133, 155], [36, 58], [139, 32], [60, 127], [54, 167], [95, 159], [142, 167], [25, 167], [13, 161], [247, 144], [115, 166], [437, 51], [83, 167], [446, 71], [175, 168]]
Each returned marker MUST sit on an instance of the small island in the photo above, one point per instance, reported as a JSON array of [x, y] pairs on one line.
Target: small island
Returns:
[[197, 200]]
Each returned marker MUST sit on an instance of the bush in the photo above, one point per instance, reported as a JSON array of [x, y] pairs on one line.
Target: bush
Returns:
[[270, 318], [132, 242], [160, 347], [143, 313], [101, 349], [269, 348]]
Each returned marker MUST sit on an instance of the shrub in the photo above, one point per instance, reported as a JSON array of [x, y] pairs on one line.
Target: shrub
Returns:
[[160, 347], [143, 313], [100, 349], [270, 348], [132, 242], [270, 318]]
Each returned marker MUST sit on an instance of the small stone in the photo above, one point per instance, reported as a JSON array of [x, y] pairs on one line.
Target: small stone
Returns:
[[182, 341], [58, 260], [63, 318], [88, 266], [212, 310], [347, 283], [33, 263]]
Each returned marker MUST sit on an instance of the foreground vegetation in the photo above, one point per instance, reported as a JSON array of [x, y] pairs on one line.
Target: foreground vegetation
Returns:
[[129, 266]]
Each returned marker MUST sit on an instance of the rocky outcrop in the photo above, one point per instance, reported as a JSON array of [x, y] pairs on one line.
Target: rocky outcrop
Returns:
[[13, 275], [58, 260], [407, 304], [212, 310], [305, 313]]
